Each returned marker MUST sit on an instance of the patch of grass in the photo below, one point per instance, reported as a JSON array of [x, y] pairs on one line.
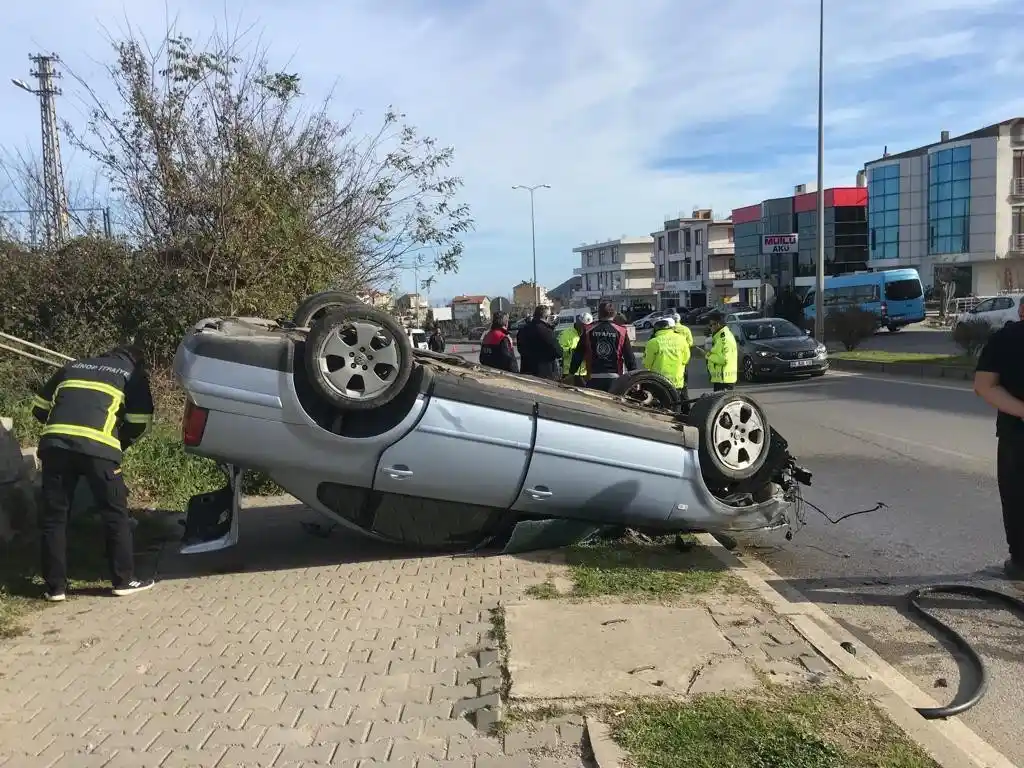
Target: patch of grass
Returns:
[[21, 588], [498, 634], [916, 358], [543, 591], [656, 572], [818, 728]]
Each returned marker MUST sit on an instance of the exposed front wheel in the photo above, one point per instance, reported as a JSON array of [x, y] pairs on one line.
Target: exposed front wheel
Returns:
[[316, 306], [734, 437]]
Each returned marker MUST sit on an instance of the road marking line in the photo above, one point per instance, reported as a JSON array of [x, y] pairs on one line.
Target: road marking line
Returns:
[[914, 443], [910, 382]]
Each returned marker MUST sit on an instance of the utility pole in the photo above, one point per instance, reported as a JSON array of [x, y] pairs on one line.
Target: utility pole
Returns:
[[819, 290], [55, 199], [533, 236]]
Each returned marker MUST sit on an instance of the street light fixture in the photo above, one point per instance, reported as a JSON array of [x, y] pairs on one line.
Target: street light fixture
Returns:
[[819, 291], [22, 84], [533, 236]]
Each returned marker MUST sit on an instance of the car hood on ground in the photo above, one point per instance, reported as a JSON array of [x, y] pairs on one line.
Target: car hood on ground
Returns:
[[793, 344]]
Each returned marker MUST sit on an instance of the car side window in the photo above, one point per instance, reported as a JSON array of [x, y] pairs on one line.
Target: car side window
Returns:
[[1004, 302], [986, 306]]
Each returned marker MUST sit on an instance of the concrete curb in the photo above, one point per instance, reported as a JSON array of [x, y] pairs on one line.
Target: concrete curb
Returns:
[[950, 743], [913, 370], [607, 754]]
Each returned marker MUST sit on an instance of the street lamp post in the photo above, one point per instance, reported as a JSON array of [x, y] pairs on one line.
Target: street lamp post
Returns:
[[533, 236], [819, 291]]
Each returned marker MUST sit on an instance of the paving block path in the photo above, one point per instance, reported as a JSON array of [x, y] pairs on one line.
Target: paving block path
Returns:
[[289, 650]]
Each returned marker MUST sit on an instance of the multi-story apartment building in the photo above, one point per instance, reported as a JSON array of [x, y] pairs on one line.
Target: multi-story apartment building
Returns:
[[846, 238], [953, 209], [526, 294], [616, 270], [473, 310], [693, 260]]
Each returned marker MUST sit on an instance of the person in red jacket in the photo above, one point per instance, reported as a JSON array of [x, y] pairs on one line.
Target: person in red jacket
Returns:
[[496, 346], [605, 348]]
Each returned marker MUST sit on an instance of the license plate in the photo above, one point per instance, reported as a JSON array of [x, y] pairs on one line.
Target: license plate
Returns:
[[800, 363]]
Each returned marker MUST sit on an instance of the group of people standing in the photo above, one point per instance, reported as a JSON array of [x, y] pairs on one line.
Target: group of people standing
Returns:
[[594, 353]]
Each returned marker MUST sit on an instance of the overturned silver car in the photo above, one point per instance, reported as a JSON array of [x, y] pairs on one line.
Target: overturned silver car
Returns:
[[431, 451]]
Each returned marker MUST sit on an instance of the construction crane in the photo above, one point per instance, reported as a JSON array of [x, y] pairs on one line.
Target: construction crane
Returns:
[[55, 198]]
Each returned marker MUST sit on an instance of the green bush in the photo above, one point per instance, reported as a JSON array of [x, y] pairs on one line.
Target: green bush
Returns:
[[972, 335], [850, 326]]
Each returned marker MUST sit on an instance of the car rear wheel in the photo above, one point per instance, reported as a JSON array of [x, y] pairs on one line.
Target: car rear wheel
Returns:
[[734, 437], [646, 389], [358, 358], [316, 306]]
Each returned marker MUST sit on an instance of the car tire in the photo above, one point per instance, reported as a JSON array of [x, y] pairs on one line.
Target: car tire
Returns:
[[749, 374], [817, 374], [734, 437], [660, 392], [893, 328], [358, 358], [315, 306]]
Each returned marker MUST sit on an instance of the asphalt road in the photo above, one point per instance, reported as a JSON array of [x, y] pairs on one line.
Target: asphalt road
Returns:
[[927, 450]]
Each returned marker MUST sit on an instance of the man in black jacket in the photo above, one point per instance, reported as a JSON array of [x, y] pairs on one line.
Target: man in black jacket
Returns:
[[496, 346], [605, 348], [538, 347], [436, 341], [92, 411]]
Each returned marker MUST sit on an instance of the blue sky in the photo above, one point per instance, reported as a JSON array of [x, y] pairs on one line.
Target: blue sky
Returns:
[[628, 110]]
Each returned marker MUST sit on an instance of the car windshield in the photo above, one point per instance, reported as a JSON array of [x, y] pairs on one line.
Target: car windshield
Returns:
[[419, 338], [903, 290], [770, 329]]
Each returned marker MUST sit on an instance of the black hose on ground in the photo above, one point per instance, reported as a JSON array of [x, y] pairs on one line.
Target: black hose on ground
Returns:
[[962, 703]]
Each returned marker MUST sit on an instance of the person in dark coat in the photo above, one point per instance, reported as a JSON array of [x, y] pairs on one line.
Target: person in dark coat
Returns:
[[496, 346], [435, 343], [538, 348]]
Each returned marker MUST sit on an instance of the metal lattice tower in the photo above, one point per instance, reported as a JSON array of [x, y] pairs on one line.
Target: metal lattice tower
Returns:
[[55, 198]]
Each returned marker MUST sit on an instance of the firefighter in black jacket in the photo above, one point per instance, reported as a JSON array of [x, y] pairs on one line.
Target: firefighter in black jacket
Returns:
[[496, 346], [92, 411], [605, 348]]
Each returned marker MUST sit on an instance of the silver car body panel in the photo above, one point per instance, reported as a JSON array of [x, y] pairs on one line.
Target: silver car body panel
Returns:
[[470, 435]]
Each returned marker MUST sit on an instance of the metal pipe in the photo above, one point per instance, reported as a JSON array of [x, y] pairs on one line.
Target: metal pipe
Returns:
[[9, 337], [819, 292]]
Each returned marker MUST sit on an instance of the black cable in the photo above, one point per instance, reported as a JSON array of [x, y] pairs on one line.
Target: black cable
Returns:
[[878, 505]]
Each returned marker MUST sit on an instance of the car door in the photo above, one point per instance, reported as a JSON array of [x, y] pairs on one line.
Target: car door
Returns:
[[590, 466], [1006, 309], [469, 447]]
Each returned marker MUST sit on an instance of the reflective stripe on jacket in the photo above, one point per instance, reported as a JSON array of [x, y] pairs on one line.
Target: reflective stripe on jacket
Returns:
[[667, 353], [723, 366], [97, 407]]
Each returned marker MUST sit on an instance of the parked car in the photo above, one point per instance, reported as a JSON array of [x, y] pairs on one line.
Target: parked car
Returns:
[[725, 309], [735, 317], [997, 311], [418, 337], [647, 322], [773, 347], [428, 450]]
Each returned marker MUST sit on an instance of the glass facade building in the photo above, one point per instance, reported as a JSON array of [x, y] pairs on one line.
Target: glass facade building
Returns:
[[884, 211], [949, 200]]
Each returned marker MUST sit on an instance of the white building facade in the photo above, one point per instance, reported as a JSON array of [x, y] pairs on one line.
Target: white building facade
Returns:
[[693, 260], [620, 270], [471, 309], [953, 209]]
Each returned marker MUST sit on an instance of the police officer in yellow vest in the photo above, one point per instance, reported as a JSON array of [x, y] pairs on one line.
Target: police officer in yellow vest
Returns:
[[682, 330], [722, 358], [569, 339], [667, 353]]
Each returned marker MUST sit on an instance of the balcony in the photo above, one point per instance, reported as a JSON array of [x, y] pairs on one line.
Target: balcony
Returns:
[[1017, 187], [1017, 243], [717, 275], [721, 249]]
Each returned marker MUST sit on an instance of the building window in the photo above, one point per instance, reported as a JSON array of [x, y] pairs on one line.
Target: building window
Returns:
[[1018, 163], [949, 200], [698, 237], [732, 235], [616, 281], [884, 211], [673, 241], [686, 240], [673, 271], [616, 257], [697, 267], [748, 250], [590, 258], [661, 242]]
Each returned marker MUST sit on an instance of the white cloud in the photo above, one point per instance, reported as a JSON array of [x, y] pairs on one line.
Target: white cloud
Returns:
[[584, 94]]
